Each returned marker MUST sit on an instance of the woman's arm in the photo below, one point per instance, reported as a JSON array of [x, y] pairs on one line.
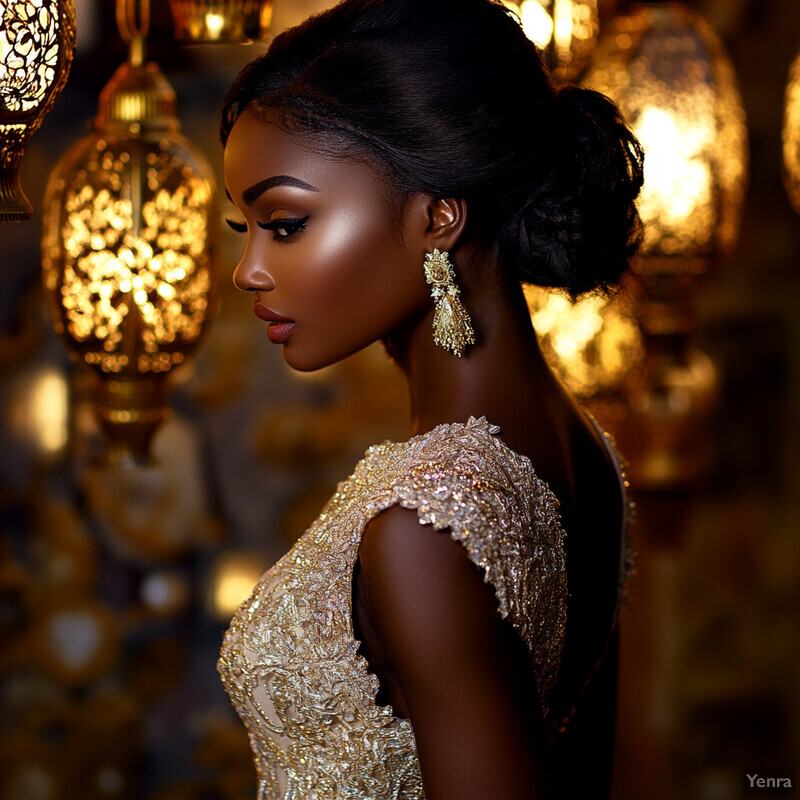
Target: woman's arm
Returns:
[[464, 672]]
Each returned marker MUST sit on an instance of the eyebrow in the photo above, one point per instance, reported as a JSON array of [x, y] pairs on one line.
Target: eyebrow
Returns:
[[250, 195]]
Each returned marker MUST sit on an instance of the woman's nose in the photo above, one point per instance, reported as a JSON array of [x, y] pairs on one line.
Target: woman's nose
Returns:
[[251, 275]]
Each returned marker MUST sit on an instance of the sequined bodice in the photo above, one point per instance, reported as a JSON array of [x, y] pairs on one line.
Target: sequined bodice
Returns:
[[289, 659]]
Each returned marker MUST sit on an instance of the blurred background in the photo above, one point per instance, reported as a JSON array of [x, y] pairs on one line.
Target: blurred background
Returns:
[[119, 573]]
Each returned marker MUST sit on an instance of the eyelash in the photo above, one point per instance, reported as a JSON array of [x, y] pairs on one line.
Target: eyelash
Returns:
[[290, 227]]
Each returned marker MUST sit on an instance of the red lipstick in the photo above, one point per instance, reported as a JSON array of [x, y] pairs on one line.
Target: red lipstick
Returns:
[[280, 328]]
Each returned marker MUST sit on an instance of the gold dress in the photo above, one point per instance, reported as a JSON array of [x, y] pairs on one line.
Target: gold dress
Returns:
[[289, 660]]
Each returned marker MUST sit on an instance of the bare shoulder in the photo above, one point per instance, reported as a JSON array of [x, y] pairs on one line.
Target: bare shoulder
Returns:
[[463, 671]]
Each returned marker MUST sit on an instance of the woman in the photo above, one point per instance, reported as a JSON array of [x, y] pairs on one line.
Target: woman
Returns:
[[401, 165]]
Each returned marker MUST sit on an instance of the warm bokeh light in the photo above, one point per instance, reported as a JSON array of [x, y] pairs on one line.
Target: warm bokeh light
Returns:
[[666, 69], [676, 202], [235, 575], [791, 136], [221, 21], [40, 411], [592, 344], [115, 263], [49, 410], [536, 22], [565, 30]]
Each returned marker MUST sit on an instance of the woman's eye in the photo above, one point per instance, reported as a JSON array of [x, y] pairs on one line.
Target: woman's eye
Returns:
[[239, 227], [284, 228]]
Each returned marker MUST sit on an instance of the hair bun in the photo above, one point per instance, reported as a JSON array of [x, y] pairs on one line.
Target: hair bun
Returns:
[[573, 223]]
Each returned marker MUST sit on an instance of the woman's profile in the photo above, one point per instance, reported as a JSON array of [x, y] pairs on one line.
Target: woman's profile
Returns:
[[447, 626]]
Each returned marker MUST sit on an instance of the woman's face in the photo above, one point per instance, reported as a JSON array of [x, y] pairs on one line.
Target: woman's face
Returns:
[[322, 255]]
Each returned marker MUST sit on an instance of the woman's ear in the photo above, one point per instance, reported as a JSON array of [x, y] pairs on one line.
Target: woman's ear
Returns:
[[447, 220], [435, 222]]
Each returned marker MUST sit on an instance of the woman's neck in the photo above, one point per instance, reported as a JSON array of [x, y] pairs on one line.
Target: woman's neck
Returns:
[[503, 376]]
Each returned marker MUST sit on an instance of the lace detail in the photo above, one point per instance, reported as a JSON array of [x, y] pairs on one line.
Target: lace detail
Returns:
[[289, 659]]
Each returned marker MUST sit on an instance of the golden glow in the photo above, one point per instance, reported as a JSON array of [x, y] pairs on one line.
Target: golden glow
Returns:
[[791, 135], [235, 576], [563, 23], [591, 344], [227, 21], [133, 286], [214, 23], [40, 410], [569, 26], [676, 202], [49, 406], [536, 22], [666, 70], [29, 50]]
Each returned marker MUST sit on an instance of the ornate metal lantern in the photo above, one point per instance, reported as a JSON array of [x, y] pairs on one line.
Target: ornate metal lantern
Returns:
[[221, 21], [127, 247], [666, 70], [37, 43]]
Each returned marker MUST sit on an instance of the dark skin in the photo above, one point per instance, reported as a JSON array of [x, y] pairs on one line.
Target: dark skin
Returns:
[[333, 262]]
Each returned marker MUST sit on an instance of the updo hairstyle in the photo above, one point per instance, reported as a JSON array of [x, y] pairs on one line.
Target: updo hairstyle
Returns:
[[452, 99]]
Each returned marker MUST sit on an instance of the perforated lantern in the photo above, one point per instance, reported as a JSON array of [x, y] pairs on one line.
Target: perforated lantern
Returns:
[[37, 44], [127, 251], [666, 70], [221, 21]]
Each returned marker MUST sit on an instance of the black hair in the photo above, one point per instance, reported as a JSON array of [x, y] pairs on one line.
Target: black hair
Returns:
[[452, 99]]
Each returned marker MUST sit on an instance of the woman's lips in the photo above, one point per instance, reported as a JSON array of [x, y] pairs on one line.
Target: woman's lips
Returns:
[[280, 328]]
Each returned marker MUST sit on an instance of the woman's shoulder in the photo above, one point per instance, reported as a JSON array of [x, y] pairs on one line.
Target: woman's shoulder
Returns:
[[461, 457]]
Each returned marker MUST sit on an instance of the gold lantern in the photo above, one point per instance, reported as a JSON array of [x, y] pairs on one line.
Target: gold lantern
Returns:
[[666, 70], [221, 21], [37, 43], [791, 136], [564, 30], [127, 246]]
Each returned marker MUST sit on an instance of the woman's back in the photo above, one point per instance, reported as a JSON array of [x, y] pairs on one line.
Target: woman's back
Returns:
[[593, 512]]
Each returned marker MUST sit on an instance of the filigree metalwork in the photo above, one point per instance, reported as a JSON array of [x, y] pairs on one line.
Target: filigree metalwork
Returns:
[[28, 51], [37, 42]]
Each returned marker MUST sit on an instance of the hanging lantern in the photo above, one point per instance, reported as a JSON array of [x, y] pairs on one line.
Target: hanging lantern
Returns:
[[666, 70], [127, 246], [564, 30], [37, 43], [221, 21], [791, 136]]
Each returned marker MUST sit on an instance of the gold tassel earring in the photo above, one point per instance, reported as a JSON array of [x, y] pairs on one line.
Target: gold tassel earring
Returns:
[[452, 327]]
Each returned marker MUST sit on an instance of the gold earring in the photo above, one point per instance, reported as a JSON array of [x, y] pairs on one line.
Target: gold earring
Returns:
[[452, 327]]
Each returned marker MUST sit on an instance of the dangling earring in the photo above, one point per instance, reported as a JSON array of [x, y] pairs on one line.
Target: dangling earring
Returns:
[[452, 327]]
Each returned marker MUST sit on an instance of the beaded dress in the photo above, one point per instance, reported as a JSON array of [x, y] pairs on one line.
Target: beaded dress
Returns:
[[289, 660]]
